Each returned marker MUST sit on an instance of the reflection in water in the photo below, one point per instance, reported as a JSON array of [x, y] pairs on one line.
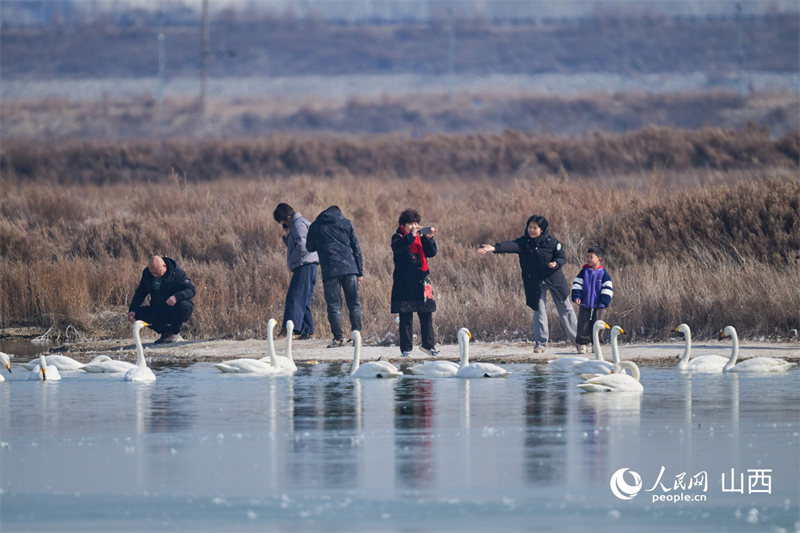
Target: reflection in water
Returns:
[[413, 437], [545, 412], [452, 453]]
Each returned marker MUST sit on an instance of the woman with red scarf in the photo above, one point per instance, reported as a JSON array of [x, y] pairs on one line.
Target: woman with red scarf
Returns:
[[412, 291]]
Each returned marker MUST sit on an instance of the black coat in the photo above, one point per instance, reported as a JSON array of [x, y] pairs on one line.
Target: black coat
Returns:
[[534, 256], [332, 236], [409, 278], [174, 282]]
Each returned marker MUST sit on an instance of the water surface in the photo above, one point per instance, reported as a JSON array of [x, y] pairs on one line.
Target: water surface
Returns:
[[199, 450]]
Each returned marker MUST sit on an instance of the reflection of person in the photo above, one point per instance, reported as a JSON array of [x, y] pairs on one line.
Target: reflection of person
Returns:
[[592, 290], [412, 291], [332, 236], [541, 257], [171, 292], [303, 265]]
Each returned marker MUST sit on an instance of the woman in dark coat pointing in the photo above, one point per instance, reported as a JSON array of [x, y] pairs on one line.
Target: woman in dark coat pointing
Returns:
[[412, 291], [541, 257]]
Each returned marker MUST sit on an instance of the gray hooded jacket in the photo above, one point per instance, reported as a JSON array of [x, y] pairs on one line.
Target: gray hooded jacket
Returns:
[[297, 254]]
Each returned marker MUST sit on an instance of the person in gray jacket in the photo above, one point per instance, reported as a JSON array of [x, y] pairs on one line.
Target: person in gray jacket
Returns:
[[333, 237], [303, 265]]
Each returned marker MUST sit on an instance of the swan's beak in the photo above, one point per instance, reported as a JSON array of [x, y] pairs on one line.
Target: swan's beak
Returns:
[[677, 329], [44, 374], [8, 366], [722, 334], [621, 331], [608, 327], [469, 335], [145, 324]]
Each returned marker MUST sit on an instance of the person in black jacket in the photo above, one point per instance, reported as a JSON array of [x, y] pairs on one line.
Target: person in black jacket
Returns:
[[171, 292], [541, 257], [333, 238], [412, 291]]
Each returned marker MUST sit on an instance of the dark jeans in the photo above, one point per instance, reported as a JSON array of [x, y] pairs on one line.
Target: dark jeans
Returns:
[[333, 297], [407, 334], [298, 299], [166, 318], [586, 319]]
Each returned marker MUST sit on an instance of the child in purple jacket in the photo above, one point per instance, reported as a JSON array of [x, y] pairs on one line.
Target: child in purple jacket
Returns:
[[592, 291]]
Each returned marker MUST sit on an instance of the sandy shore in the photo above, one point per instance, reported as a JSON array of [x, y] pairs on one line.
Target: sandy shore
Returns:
[[314, 350]]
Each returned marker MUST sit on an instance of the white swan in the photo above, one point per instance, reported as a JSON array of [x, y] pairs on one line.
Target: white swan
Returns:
[[64, 363], [704, 363], [6, 361], [265, 365], [42, 372], [140, 372], [600, 365], [439, 369], [756, 364], [286, 361], [371, 369], [616, 381], [475, 370]]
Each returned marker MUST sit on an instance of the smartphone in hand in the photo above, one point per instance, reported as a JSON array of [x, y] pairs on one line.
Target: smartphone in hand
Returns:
[[425, 231]]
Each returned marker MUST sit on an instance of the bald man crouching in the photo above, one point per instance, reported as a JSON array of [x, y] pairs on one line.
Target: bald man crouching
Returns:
[[171, 292]]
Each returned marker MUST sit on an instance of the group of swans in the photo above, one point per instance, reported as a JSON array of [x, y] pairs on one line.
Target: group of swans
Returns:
[[271, 364], [599, 374], [602, 376], [447, 369], [718, 363]]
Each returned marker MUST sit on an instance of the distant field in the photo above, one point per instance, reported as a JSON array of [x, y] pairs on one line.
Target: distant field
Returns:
[[245, 46], [422, 113]]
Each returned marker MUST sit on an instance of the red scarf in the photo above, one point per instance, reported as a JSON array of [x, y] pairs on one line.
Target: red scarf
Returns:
[[416, 248]]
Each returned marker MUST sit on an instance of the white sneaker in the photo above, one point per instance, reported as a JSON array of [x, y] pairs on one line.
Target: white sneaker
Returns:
[[538, 349], [433, 352], [582, 348]]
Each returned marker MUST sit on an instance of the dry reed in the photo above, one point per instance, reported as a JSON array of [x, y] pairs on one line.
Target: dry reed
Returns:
[[73, 254]]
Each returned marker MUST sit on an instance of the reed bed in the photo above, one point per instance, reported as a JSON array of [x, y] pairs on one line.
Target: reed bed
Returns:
[[709, 255]]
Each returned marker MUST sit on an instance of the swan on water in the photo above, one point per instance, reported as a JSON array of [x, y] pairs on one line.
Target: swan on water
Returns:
[[475, 370], [64, 363], [140, 372], [371, 369], [285, 361], [600, 365], [6, 361], [704, 363], [616, 381], [42, 372], [440, 369], [756, 364], [266, 365]]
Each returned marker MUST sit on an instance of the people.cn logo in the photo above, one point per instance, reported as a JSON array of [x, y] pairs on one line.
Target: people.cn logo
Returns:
[[621, 489]]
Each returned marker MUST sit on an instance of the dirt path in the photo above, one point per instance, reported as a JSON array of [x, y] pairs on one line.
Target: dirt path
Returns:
[[314, 350]]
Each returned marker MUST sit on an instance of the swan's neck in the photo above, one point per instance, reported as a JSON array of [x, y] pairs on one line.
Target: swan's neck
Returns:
[[634, 370], [734, 352], [614, 347], [288, 353], [687, 352], [42, 361], [463, 347], [356, 355], [139, 350], [271, 347], [598, 354]]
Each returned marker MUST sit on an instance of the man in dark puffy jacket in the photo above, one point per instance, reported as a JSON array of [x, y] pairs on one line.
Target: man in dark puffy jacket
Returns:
[[541, 257], [332, 236], [171, 292]]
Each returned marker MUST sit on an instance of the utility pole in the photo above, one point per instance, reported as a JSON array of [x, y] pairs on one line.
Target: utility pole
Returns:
[[451, 52], [162, 81], [204, 51], [740, 49]]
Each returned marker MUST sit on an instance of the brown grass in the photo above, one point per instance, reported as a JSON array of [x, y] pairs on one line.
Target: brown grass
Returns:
[[512, 153], [72, 254]]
